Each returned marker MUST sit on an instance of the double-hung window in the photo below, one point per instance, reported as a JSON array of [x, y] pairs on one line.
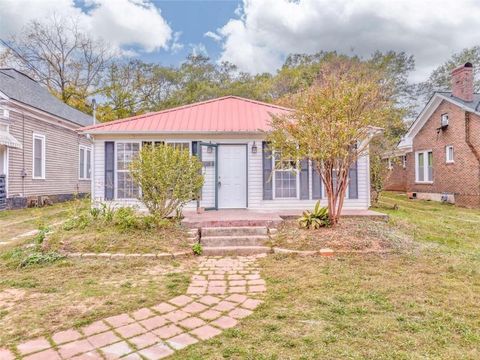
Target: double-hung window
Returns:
[[85, 163], [126, 152], [424, 166], [449, 154], [285, 177], [38, 156]]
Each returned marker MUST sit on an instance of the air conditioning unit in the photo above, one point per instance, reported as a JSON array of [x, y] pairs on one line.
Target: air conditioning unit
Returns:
[[444, 121]]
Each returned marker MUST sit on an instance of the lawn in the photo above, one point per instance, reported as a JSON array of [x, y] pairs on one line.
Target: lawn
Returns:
[[17, 222], [417, 303], [39, 300]]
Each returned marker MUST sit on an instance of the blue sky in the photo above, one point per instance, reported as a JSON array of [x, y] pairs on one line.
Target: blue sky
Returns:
[[193, 19]]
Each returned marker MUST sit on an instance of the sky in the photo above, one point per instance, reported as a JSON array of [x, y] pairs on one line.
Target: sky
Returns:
[[257, 35]]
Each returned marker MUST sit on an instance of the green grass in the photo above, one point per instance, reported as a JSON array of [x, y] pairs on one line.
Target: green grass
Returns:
[[420, 302], [41, 299], [17, 222]]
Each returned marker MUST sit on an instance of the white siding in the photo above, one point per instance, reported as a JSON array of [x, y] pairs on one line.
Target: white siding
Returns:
[[255, 179]]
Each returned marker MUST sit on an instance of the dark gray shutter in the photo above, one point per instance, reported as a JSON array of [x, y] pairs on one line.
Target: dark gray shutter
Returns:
[[195, 148], [267, 172], [316, 183], [353, 183], [304, 194], [109, 170]]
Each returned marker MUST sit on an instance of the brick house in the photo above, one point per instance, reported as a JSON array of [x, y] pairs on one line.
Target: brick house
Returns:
[[439, 157]]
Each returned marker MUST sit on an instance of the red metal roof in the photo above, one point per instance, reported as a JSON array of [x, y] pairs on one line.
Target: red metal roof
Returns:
[[225, 114]]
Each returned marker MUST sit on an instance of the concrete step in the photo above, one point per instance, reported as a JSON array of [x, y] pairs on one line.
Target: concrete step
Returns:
[[224, 241], [234, 231], [192, 223], [235, 250]]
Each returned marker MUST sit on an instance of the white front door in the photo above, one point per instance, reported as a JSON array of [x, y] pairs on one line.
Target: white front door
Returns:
[[232, 176]]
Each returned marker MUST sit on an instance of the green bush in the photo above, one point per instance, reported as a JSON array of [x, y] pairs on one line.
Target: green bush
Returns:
[[197, 249], [40, 258], [169, 178], [314, 219], [125, 218]]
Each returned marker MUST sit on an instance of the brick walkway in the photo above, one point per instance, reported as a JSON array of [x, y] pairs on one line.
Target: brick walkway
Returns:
[[222, 291]]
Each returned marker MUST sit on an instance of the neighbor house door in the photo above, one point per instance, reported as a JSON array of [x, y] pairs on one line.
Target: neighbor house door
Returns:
[[232, 176]]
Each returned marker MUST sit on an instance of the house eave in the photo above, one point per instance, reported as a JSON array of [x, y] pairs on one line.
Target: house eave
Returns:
[[139, 132]]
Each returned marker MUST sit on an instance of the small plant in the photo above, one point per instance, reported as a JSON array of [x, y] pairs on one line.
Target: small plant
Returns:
[[39, 258], [95, 212], [41, 234], [197, 249], [125, 218], [314, 219]]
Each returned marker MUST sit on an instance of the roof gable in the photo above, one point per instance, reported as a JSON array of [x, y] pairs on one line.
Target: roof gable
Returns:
[[407, 141], [20, 87], [225, 114]]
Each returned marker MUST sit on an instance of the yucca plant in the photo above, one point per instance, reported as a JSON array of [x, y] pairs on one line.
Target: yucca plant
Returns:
[[314, 219]]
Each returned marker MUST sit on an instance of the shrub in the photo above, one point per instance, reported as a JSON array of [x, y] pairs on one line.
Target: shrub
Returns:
[[125, 218], [197, 249], [169, 178], [315, 219]]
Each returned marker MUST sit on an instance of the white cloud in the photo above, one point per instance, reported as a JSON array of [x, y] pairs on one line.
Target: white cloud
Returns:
[[121, 23], [265, 31], [213, 36]]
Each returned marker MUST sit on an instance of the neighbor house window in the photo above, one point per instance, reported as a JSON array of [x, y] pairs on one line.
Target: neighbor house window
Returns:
[[180, 145], [85, 163], [126, 152], [424, 166], [285, 177], [449, 154], [38, 156], [404, 161], [390, 166]]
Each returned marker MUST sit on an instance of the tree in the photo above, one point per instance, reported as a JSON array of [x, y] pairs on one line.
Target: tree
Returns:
[[440, 78], [332, 123], [58, 54], [168, 177]]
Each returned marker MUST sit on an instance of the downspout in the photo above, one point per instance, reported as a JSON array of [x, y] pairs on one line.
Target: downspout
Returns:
[[470, 145]]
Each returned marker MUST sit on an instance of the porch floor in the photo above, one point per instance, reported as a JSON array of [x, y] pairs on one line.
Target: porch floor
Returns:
[[245, 217]]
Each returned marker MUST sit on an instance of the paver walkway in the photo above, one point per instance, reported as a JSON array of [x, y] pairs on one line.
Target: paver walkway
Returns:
[[222, 291]]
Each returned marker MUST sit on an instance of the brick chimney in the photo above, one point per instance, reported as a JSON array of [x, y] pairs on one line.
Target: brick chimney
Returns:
[[462, 82]]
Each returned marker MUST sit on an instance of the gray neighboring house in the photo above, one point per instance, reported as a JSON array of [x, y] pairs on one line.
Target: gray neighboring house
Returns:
[[43, 158]]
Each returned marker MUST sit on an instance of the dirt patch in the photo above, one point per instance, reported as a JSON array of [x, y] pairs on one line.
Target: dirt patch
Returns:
[[350, 234]]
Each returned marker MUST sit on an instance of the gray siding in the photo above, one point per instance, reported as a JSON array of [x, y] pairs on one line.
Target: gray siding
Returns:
[[61, 154]]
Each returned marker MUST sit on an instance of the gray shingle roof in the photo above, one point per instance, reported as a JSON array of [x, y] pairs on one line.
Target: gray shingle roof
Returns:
[[474, 105], [20, 87]]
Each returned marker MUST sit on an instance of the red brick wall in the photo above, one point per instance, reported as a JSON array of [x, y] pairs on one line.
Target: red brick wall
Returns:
[[397, 176], [461, 178]]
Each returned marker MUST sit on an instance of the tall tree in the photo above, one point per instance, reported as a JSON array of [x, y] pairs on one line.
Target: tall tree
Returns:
[[61, 56], [440, 78], [333, 122]]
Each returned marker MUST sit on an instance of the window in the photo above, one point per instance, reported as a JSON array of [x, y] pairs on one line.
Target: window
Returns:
[[444, 120], [390, 166], [285, 177], [38, 156], [126, 188], [449, 154], [149, 143], [85, 163], [404, 161], [424, 166], [180, 145]]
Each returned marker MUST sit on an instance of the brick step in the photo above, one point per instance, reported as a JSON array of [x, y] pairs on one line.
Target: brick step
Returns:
[[235, 250], [234, 231], [225, 241]]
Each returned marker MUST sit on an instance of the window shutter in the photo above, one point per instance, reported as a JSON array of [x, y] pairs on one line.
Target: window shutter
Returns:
[[267, 172], [316, 183], [304, 193], [353, 183], [109, 170], [195, 148]]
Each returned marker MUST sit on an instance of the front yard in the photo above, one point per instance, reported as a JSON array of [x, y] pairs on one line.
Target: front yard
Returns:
[[418, 301]]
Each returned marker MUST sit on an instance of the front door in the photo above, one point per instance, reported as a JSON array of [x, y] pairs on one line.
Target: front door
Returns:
[[232, 176]]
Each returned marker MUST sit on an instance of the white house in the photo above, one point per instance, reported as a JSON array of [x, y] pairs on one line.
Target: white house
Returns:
[[228, 135]]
